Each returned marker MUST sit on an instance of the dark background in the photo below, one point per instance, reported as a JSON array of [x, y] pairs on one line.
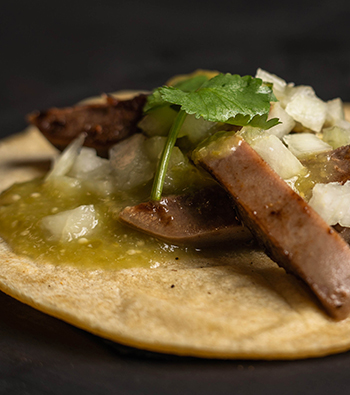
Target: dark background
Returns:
[[56, 53]]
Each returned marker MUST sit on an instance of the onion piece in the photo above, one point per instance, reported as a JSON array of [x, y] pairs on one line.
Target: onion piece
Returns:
[[335, 112], [309, 110], [337, 135], [273, 151], [70, 224], [287, 122], [89, 165], [65, 161], [130, 163], [279, 85], [332, 202], [305, 144], [196, 129]]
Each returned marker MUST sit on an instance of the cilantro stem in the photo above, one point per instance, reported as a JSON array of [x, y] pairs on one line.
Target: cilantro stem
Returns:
[[162, 167]]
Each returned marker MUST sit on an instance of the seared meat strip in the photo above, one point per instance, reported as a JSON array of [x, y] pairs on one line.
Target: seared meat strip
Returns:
[[293, 234], [201, 218], [105, 124]]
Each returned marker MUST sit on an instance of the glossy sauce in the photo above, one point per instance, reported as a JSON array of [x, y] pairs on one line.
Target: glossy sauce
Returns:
[[111, 245], [319, 169]]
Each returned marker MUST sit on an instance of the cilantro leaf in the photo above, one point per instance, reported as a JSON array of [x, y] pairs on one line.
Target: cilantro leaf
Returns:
[[155, 100], [191, 84], [225, 98]]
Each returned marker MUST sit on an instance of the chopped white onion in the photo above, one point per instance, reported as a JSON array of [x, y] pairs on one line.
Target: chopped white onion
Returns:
[[287, 122], [154, 147], [343, 123], [278, 82], [279, 85], [130, 163], [337, 135], [71, 224], [65, 161], [87, 163], [274, 152], [332, 202], [308, 110], [335, 111], [196, 129], [302, 104], [305, 144], [300, 90]]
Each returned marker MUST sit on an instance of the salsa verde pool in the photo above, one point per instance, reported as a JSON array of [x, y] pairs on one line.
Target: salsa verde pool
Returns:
[[111, 244]]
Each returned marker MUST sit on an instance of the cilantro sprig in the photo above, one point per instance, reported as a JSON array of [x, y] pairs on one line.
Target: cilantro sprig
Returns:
[[225, 98]]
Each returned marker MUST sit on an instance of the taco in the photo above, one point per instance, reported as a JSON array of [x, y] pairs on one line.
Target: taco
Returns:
[[226, 301]]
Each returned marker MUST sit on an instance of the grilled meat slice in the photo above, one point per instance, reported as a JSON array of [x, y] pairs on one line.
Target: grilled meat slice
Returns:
[[202, 218], [105, 124], [293, 234]]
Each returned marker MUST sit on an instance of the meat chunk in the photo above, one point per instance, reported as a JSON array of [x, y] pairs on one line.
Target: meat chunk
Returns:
[[105, 124], [333, 166], [293, 234], [340, 164], [201, 218]]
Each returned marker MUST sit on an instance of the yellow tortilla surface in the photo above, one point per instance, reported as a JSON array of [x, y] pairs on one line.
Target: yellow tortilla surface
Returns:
[[237, 306]]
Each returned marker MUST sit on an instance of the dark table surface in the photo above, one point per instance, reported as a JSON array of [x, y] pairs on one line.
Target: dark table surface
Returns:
[[56, 53]]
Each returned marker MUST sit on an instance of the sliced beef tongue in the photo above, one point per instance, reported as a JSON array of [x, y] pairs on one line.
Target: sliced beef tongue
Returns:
[[293, 234], [200, 219], [105, 124]]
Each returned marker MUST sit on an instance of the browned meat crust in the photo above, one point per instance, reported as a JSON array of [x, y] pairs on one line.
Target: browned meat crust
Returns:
[[202, 218], [293, 234], [105, 124]]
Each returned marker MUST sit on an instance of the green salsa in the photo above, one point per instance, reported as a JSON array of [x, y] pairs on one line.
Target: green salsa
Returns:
[[320, 169], [110, 245]]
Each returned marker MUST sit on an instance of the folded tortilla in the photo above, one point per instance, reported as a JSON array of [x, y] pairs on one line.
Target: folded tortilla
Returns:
[[231, 305]]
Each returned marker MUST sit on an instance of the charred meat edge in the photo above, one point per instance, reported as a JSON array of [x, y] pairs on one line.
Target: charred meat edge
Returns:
[[104, 124], [200, 218], [293, 234]]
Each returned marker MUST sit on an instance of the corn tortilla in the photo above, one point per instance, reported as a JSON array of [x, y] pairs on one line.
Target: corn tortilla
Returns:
[[240, 305]]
